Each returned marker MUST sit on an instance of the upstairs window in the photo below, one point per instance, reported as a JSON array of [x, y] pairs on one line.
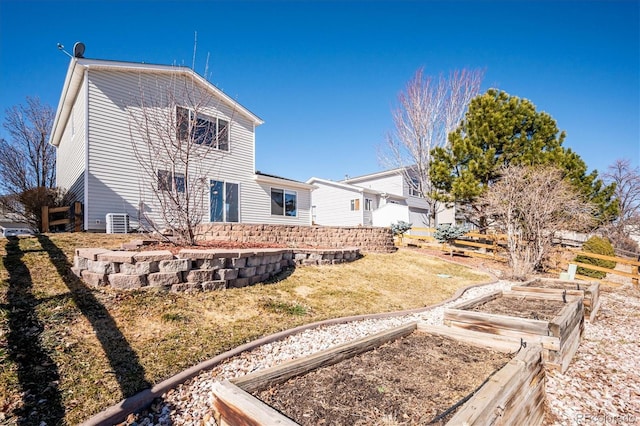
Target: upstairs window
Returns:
[[167, 181], [203, 130], [414, 186]]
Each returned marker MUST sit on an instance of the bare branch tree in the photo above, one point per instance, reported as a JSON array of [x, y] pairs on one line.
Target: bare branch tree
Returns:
[[627, 180], [531, 205], [428, 110], [27, 163], [178, 134]]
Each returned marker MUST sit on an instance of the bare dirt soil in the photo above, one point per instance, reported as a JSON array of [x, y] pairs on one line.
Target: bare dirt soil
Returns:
[[406, 382], [537, 309]]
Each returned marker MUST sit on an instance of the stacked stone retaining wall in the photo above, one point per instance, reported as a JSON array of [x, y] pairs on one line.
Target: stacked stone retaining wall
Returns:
[[194, 270], [372, 239]]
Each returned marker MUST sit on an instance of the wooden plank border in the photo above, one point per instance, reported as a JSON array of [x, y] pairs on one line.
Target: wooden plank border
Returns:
[[558, 337], [514, 395], [590, 292]]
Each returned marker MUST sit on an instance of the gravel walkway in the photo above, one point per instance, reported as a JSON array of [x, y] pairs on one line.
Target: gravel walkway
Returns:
[[602, 385]]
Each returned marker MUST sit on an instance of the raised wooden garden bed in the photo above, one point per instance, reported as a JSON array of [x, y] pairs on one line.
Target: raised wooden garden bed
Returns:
[[409, 375], [590, 291], [554, 320]]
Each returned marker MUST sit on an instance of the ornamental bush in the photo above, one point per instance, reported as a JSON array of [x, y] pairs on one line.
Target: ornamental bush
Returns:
[[447, 233], [400, 228], [596, 245]]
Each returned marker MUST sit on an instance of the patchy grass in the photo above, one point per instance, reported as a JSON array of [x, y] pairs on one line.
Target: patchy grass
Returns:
[[68, 352]]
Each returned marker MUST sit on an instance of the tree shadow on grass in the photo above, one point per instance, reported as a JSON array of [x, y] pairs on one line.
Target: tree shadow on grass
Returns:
[[37, 373], [122, 358]]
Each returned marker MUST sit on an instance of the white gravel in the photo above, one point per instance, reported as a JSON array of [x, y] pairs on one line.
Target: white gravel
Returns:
[[602, 385]]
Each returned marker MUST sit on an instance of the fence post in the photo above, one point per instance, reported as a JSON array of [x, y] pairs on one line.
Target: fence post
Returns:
[[45, 219], [78, 217]]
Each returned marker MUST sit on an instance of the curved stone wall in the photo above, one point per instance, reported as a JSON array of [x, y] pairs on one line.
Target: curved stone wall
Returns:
[[193, 269]]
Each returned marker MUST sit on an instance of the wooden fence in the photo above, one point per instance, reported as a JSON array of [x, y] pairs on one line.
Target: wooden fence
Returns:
[[635, 266], [493, 247], [53, 216], [492, 244]]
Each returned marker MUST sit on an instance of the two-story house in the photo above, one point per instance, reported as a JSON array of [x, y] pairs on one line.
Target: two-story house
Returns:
[[113, 116], [376, 199]]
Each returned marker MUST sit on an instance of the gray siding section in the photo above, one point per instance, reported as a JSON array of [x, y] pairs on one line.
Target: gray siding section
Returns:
[[117, 182], [418, 218], [70, 154]]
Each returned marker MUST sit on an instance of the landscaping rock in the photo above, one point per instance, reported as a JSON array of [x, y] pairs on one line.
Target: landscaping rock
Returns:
[[116, 256], [226, 274], [186, 287], [238, 283], [164, 279], [90, 253], [153, 255], [125, 282], [94, 279], [214, 285], [98, 267], [247, 272], [200, 275], [139, 268], [176, 265]]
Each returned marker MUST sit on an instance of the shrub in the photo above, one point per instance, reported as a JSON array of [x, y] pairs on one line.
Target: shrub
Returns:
[[400, 228], [448, 233], [596, 245]]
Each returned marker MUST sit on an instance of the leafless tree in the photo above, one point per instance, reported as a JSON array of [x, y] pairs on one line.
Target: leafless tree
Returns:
[[178, 137], [627, 180], [531, 205], [428, 110], [27, 163]]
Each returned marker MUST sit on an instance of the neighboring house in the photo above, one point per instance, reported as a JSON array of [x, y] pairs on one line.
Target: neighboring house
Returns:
[[13, 229], [93, 135], [377, 199]]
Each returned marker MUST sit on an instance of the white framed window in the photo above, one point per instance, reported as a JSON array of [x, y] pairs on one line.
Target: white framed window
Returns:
[[284, 202], [167, 181], [201, 129], [368, 204], [224, 201], [355, 204], [414, 188]]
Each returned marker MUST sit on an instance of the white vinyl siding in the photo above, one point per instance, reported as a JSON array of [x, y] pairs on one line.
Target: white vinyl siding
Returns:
[[116, 183], [333, 206], [390, 183], [70, 154], [370, 205]]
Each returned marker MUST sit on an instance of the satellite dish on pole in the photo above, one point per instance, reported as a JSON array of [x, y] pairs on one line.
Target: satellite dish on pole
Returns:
[[78, 50]]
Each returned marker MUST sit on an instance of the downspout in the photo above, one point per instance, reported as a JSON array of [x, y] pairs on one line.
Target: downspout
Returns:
[[86, 149]]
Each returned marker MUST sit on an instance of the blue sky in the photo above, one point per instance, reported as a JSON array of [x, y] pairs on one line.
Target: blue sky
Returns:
[[324, 75]]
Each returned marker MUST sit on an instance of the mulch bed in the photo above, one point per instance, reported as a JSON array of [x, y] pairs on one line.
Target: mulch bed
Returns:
[[406, 382], [522, 307]]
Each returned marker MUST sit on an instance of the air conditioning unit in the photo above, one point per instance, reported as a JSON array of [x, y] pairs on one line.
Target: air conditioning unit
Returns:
[[117, 223]]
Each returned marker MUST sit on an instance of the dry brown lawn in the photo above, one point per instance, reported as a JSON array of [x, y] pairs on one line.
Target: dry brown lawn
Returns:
[[68, 351]]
